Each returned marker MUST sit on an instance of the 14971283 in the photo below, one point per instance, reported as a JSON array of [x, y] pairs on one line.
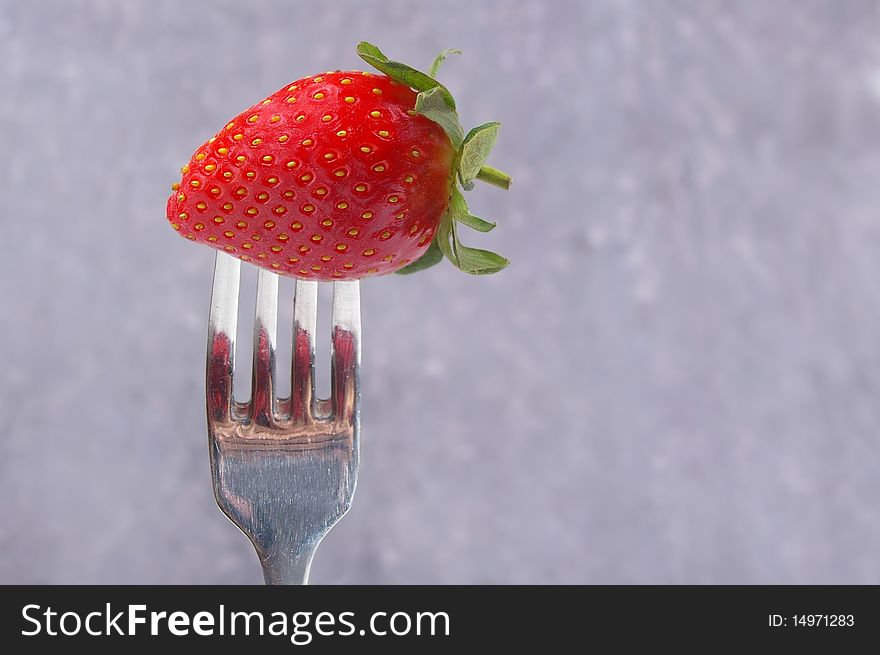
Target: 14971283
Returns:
[[811, 621]]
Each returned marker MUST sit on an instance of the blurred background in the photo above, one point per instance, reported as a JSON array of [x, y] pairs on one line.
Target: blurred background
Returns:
[[676, 380]]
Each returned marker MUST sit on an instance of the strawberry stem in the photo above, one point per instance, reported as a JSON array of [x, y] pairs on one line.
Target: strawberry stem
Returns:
[[493, 176]]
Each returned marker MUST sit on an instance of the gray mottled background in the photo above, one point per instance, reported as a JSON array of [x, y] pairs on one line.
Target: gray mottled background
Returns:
[[676, 381]]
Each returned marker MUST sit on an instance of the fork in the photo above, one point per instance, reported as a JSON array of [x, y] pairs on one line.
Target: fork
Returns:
[[284, 470]]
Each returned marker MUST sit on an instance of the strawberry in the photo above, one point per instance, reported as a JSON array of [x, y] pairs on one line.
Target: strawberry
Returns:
[[342, 175]]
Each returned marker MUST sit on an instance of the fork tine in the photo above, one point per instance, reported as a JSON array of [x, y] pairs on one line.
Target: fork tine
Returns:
[[305, 318], [222, 324], [345, 344], [262, 410]]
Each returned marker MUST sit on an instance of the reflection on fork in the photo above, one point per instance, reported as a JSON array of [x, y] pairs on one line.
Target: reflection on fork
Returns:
[[284, 470]]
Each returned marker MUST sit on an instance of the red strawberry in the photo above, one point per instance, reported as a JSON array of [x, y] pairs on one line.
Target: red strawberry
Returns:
[[341, 176]]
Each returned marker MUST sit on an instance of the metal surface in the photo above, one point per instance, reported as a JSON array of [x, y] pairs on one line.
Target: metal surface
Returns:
[[284, 470]]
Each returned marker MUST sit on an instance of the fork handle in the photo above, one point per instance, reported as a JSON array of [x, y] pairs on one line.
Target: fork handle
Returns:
[[286, 569]]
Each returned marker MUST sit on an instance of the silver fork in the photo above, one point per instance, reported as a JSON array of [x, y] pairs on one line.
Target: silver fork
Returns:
[[284, 470]]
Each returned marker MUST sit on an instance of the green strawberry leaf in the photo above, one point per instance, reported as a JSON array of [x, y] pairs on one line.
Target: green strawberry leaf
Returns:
[[475, 150], [457, 205], [401, 72], [433, 255], [443, 238], [469, 260], [432, 105], [458, 211], [476, 261], [476, 223], [480, 262], [439, 59]]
